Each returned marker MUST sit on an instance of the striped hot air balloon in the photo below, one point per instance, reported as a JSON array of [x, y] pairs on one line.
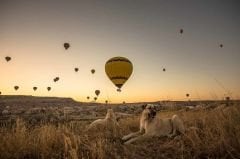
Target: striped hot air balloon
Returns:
[[118, 70]]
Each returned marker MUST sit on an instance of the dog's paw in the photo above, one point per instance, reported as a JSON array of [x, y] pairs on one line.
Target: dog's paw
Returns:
[[170, 135], [125, 138], [127, 142]]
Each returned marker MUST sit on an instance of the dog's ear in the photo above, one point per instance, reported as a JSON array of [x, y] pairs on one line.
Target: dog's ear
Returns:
[[144, 106]]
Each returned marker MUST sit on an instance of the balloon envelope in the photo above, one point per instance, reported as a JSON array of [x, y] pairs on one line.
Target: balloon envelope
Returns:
[[34, 88], [66, 45], [118, 70], [187, 95], [97, 92], [76, 69], [93, 71], [181, 31], [95, 98], [16, 87], [48, 88], [7, 58]]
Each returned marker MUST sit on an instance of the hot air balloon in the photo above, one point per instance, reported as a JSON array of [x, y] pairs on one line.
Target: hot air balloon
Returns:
[[97, 92], [34, 88], [0, 92], [124, 102], [48, 88], [118, 70], [56, 79], [7, 58], [76, 69], [93, 71], [164, 69], [88, 97], [221, 45], [66, 45], [16, 87], [181, 31], [106, 101], [187, 95], [95, 98]]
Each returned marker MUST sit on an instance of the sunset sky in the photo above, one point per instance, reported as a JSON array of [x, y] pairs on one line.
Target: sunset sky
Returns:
[[146, 32]]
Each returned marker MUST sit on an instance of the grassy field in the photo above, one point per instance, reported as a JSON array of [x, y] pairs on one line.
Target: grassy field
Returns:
[[211, 134]]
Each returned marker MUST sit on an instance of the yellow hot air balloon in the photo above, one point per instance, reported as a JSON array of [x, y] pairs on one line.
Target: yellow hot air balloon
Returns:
[[118, 69]]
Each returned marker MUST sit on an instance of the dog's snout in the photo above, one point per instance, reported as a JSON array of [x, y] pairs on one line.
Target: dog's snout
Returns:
[[154, 113]]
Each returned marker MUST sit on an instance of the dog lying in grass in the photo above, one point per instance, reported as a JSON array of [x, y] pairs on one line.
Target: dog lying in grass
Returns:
[[150, 126]]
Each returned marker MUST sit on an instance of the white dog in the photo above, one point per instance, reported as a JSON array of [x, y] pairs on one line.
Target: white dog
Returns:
[[151, 126]]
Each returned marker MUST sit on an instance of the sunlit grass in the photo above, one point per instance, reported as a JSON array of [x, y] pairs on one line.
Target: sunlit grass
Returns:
[[211, 134]]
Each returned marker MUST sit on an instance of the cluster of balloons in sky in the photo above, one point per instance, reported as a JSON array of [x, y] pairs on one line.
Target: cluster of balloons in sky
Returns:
[[118, 70]]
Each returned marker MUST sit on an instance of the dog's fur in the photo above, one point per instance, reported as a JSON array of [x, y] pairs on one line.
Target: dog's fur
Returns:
[[110, 118], [108, 125], [151, 126]]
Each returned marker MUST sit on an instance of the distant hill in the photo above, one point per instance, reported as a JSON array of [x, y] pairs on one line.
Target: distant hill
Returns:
[[31, 101], [19, 98]]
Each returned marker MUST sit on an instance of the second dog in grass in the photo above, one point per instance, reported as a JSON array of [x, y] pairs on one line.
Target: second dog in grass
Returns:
[[150, 126], [107, 126]]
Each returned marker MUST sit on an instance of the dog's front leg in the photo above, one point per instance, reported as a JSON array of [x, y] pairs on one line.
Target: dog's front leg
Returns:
[[131, 135], [138, 138]]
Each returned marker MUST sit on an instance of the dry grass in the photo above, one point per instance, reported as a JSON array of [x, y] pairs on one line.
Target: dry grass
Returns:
[[216, 134]]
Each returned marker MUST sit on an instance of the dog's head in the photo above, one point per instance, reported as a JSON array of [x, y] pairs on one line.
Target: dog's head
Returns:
[[149, 110], [110, 114]]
